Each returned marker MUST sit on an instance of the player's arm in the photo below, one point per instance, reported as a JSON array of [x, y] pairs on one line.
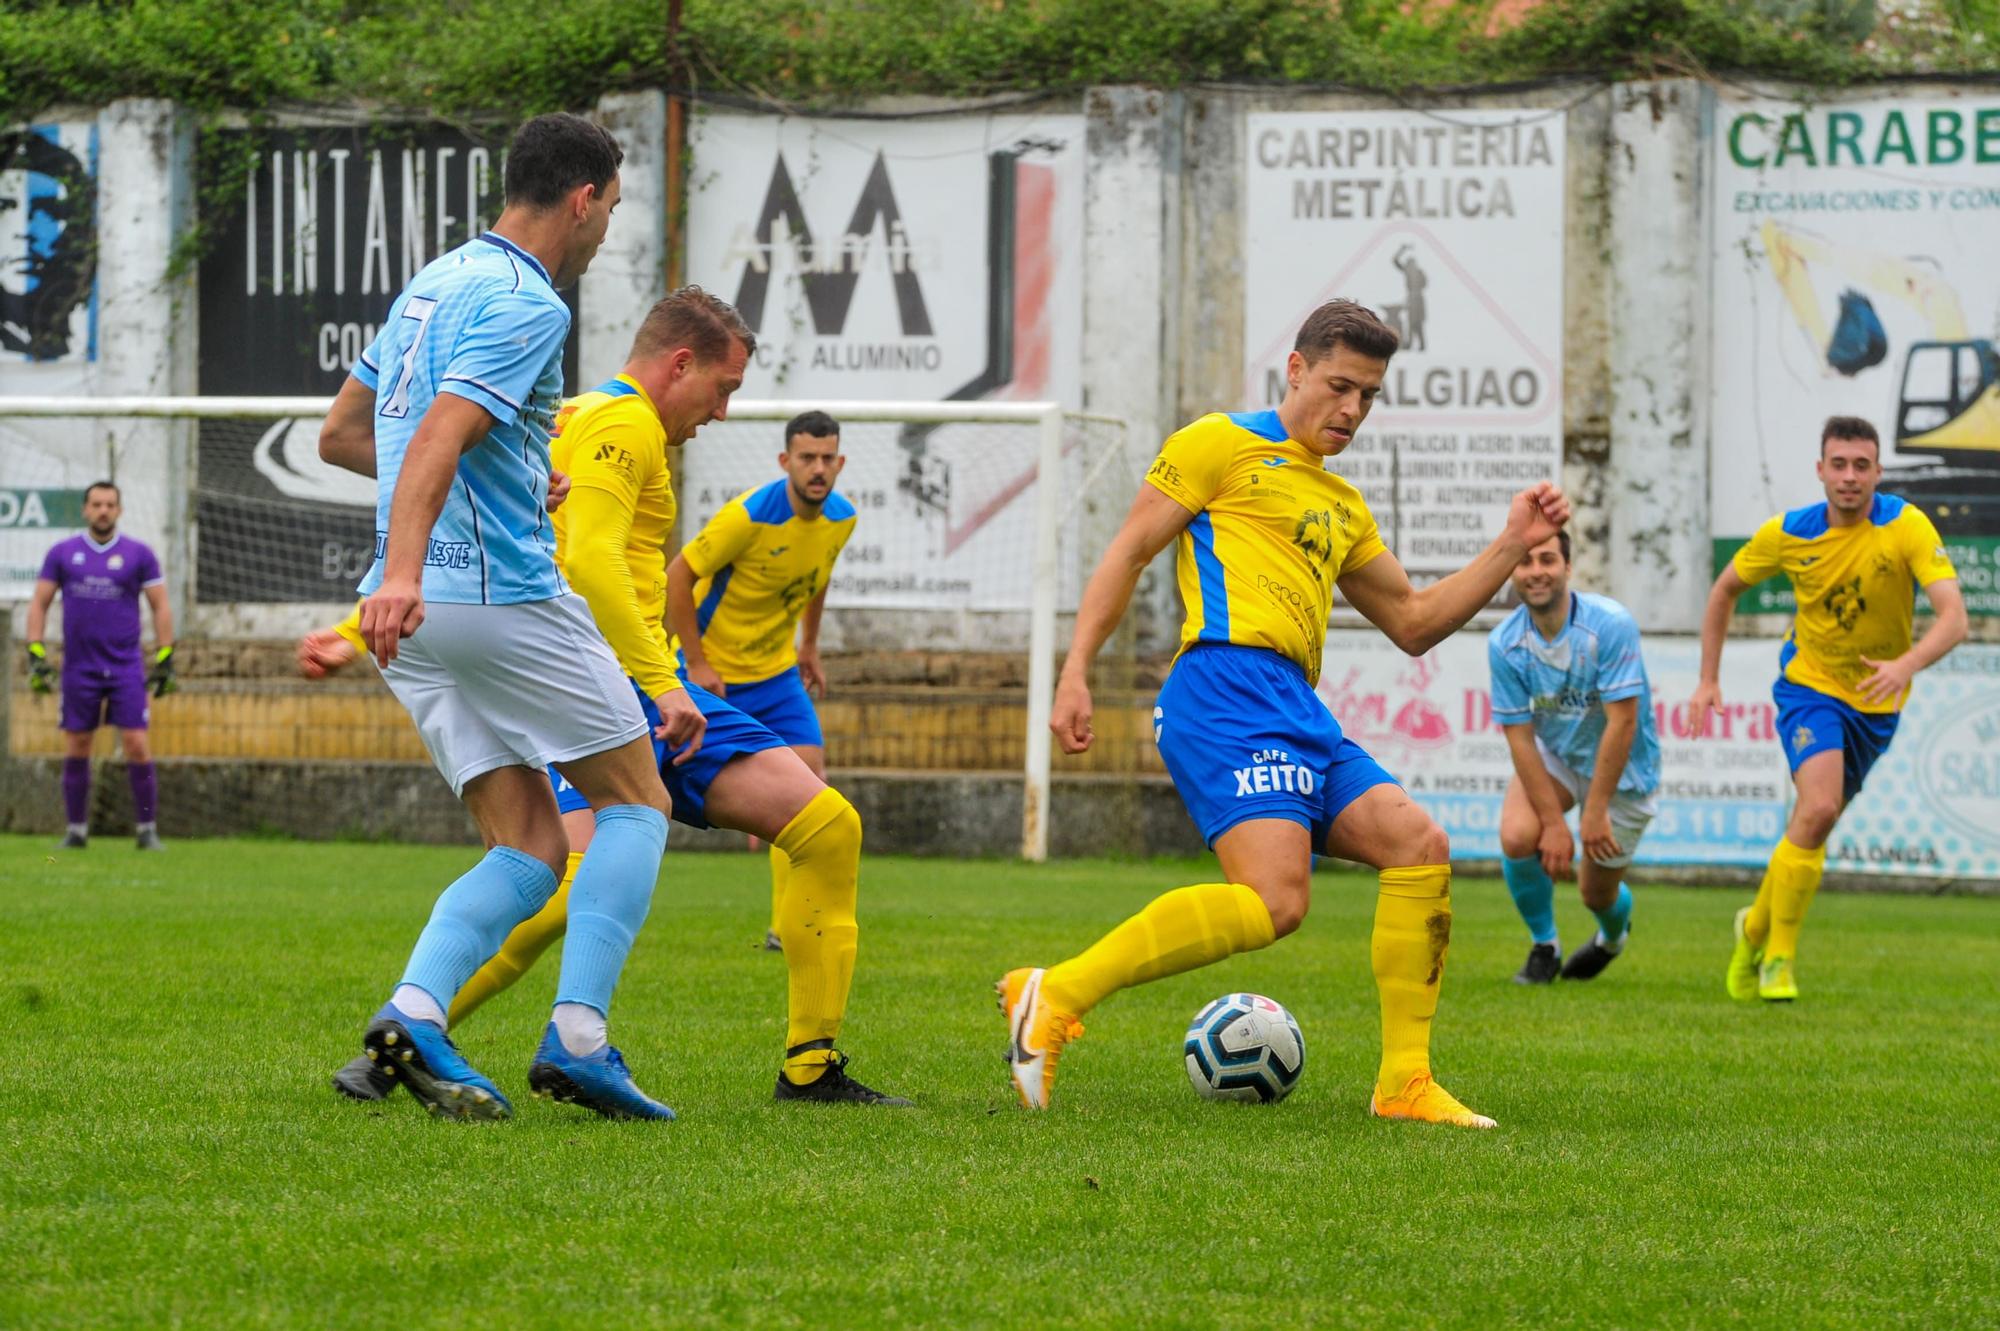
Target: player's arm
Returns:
[[599, 568], [1417, 621], [347, 439], [1614, 749], [325, 650], [1715, 617], [1153, 522], [811, 673], [714, 548], [161, 677], [1948, 629], [1553, 845], [450, 429], [41, 675]]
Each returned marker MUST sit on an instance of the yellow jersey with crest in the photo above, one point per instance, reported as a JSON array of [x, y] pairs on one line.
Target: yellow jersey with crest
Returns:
[[760, 563], [611, 532], [1856, 591], [1273, 529]]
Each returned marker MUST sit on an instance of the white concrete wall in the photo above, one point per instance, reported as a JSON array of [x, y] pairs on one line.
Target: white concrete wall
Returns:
[[629, 273]]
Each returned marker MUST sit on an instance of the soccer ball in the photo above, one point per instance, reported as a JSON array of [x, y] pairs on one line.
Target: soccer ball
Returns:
[[1244, 1047]]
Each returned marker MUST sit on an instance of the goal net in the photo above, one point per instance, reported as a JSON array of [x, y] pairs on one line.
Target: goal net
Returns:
[[960, 554]]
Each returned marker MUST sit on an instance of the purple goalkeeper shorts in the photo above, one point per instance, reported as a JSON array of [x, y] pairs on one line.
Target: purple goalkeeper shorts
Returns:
[[91, 698]]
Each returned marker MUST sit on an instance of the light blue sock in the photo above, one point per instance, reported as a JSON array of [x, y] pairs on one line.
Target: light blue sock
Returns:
[[1534, 895], [608, 901], [473, 918], [1615, 919]]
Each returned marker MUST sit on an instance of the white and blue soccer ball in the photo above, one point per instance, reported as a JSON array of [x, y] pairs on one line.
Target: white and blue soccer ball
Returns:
[[1244, 1047]]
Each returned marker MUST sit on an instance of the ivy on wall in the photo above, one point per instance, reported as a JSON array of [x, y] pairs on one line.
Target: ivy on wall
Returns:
[[514, 57]]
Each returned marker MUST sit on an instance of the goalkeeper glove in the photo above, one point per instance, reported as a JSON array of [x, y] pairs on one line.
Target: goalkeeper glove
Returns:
[[41, 675], [162, 676]]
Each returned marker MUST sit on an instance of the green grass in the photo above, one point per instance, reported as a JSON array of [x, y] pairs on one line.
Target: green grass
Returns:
[[170, 1153]]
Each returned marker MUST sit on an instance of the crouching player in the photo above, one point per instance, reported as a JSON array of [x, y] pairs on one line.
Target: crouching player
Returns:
[[1570, 690], [1265, 532], [610, 534]]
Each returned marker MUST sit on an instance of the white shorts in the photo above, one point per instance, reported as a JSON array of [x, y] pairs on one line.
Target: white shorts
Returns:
[[1630, 814], [523, 685]]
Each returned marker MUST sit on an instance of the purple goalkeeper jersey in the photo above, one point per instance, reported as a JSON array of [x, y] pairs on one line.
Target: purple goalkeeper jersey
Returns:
[[100, 587]]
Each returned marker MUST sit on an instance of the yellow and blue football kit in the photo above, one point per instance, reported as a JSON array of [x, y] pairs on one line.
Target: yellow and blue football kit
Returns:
[[1245, 737], [1856, 592], [758, 564], [1237, 722]]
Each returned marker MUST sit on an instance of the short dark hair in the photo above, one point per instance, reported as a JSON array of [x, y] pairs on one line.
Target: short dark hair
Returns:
[[1848, 427], [1562, 539], [704, 323], [95, 486], [1344, 323], [815, 423], [554, 154]]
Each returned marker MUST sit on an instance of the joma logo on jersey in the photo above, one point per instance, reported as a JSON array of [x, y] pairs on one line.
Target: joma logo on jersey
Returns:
[[1270, 771]]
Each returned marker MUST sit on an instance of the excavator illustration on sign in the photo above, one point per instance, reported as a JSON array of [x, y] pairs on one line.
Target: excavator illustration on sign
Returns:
[[1948, 401]]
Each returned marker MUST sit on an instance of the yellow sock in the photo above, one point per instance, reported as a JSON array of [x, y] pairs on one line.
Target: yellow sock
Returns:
[[1183, 929], [781, 876], [816, 925], [1757, 924], [1412, 933], [1794, 878], [531, 938]]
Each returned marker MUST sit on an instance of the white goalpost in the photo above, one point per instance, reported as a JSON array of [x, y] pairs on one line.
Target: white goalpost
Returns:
[[960, 545]]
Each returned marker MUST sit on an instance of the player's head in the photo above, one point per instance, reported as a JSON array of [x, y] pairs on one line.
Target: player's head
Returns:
[[1850, 463], [812, 458], [102, 505], [1541, 579], [690, 353], [1334, 373], [563, 167]]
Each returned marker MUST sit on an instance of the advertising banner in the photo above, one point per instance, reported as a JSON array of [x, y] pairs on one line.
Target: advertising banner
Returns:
[[1931, 806], [1855, 274], [1450, 227], [319, 230], [48, 337], [926, 260]]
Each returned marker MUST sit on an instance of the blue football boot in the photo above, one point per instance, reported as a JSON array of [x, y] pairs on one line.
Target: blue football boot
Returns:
[[599, 1081], [423, 1058]]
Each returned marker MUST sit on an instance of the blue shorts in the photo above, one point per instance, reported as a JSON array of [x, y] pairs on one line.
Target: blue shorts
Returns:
[[782, 704], [1244, 736], [730, 734], [1810, 722]]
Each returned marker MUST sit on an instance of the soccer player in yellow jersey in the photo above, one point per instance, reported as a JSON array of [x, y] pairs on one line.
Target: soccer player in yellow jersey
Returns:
[[610, 544], [1266, 532], [745, 597], [1854, 562]]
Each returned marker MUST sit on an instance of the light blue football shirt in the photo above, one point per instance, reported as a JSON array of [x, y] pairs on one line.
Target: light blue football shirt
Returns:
[[1561, 686], [482, 323]]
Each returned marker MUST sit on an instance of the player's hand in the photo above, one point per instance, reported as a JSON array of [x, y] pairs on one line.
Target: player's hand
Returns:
[[811, 673], [558, 489], [1706, 703], [41, 675], [703, 673], [1070, 718], [1537, 513], [1599, 842], [392, 614], [681, 724], [324, 651], [161, 677], [1889, 680], [1556, 849]]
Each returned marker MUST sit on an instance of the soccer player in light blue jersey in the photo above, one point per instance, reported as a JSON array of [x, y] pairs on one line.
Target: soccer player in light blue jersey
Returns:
[[451, 409], [1570, 690]]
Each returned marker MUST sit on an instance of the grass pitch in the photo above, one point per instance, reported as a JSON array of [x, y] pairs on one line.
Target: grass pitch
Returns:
[[170, 1151]]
